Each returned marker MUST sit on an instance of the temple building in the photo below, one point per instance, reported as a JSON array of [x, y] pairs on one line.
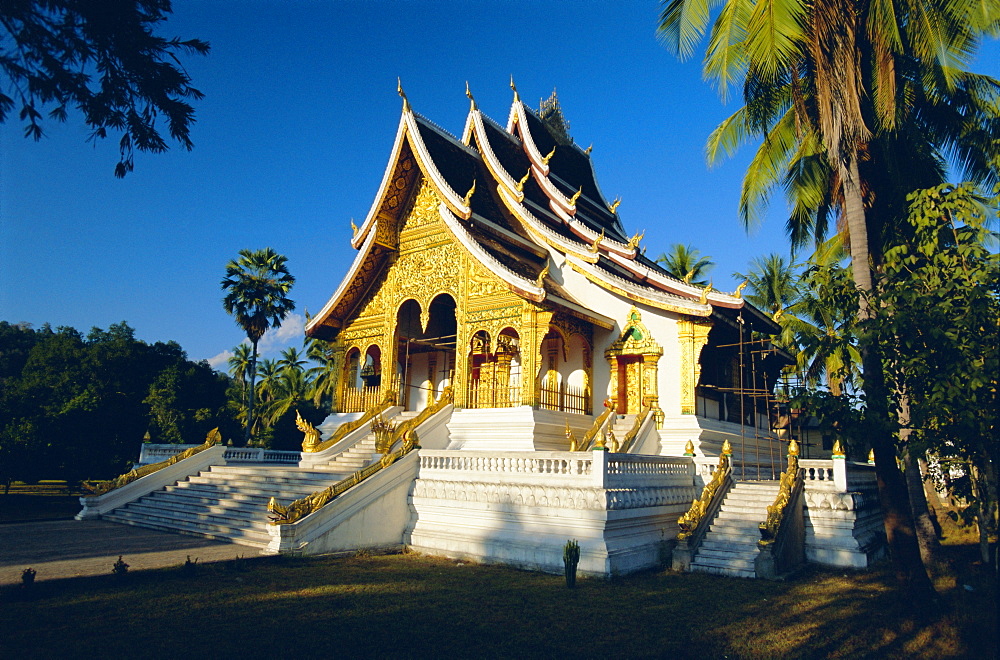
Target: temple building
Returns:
[[494, 264], [515, 374]]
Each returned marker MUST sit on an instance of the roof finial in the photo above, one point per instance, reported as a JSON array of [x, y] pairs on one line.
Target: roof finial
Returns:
[[354, 227], [614, 204], [472, 101], [576, 196], [542, 275], [546, 159], [514, 87], [589, 149], [739, 289], [703, 298], [402, 94], [633, 242], [524, 180], [595, 246], [468, 195]]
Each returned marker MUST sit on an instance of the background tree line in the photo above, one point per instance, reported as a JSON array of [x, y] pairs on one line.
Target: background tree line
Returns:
[[76, 406]]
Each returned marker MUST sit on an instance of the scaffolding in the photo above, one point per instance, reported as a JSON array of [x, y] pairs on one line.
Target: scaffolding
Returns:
[[757, 399]]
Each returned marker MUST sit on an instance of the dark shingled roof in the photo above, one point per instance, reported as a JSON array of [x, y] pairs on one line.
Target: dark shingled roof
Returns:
[[575, 170]]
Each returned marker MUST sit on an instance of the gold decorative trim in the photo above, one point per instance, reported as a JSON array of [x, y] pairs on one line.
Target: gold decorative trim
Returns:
[[695, 516], [103, 487]]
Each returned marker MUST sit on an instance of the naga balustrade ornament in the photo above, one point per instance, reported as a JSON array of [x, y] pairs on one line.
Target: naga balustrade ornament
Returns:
[[570, 437], [640, 419], [688, 523], [776, 512], [595, 430], [285, 515], [387, 402], [102, 487], [312, 437]]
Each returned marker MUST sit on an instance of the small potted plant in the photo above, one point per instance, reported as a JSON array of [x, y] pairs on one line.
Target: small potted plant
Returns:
[[571, 559]]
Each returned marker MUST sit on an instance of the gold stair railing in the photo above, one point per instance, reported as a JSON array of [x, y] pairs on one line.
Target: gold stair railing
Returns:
[[787, 484], [280, 515], [695, 516], [629, 438], [102, 487], [311, 445], [594, 435]]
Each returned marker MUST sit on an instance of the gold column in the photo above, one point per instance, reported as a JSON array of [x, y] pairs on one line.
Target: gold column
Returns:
[[693, 336], [535, 324], [460, 379]]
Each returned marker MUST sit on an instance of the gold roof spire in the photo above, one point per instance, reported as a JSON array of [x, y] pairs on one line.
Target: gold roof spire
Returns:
[[472, 101], [468, 196], [402, 94], [514, 87], [524, 180], [589, 149]]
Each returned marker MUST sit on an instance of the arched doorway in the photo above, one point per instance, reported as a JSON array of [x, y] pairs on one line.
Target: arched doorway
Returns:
[[425, 350]]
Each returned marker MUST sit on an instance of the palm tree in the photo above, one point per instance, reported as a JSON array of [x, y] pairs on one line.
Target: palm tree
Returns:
[[257, 286], [772, 287], [686, 264], [323, 377], [821, 79], [239, 369], [291, 358]]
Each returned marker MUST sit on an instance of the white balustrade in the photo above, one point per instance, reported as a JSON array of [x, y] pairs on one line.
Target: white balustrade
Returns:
[[598, 468]]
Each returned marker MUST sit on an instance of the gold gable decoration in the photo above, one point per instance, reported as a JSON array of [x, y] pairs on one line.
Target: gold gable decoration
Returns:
[[634, 357]]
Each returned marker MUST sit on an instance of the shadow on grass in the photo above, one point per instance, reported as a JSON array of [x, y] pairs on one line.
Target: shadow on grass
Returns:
[[413, 606]]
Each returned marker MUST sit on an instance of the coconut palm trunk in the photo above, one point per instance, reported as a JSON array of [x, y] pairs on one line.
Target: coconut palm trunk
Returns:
[[251, 397], [893, 496]]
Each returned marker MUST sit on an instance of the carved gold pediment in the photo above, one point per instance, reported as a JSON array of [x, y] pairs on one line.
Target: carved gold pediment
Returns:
[[635, 338]]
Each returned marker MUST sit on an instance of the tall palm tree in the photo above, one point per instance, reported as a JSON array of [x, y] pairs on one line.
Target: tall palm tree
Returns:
[[239, 369], [820, 79], [686, 263], [292, 359], [257, 286]]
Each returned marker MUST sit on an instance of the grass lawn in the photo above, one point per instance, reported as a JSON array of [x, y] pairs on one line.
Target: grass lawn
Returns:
[[46, 500], [411, 606]]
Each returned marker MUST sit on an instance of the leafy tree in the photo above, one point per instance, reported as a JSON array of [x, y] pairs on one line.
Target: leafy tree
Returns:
[[102, 58], [939, 319], [257, 286], [686, 264]]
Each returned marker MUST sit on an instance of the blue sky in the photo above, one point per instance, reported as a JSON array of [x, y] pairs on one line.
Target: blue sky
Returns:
[[293, 136]]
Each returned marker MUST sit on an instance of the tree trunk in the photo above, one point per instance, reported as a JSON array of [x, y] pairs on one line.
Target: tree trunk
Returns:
[[253, 380], [927, 538], [899, 529]]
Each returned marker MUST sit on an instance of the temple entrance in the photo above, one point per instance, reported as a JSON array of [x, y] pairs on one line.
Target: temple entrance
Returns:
[[425, 350], [494, 370], [633, 360], [629, 393]]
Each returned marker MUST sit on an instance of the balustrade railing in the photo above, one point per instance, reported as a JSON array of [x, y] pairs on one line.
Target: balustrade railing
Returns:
[[360, 399], [261, 455], [564, 398], [484, 395]]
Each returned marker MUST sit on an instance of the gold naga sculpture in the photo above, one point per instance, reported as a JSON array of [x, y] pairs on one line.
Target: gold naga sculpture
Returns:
[[570, 437], [633, 243], [688, 523], [776, 512], [312, 436], [614, 205], [213, 437], [595, 246]]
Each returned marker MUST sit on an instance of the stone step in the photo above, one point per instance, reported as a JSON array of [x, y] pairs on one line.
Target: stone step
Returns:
[[193, 522], [152, 509], [241, 536], [722, 543], [725, 560], [192, 502], [225, 488], [719, 570]]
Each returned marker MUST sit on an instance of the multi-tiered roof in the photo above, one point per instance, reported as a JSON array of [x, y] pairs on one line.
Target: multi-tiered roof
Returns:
[[511, 196]]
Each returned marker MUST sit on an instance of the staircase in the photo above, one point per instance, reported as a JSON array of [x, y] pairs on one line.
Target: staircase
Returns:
[[730, 545], [621, 426], [229, 502], [361, 453]]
